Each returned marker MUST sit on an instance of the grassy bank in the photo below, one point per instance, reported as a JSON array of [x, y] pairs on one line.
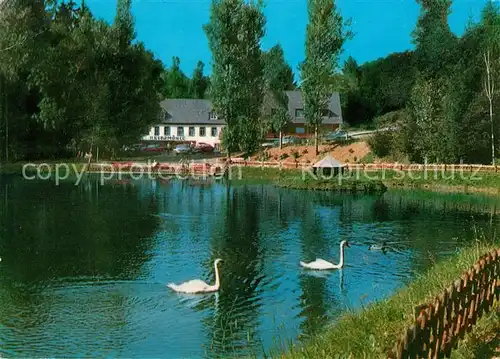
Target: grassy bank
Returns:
[[373, 331], [362, 181], [467, 182], [443, 181], [44, 167], [11, 168], [296, 179], [349, 185]]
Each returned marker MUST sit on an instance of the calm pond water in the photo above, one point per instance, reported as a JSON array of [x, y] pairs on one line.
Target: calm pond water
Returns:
[[84, 268]]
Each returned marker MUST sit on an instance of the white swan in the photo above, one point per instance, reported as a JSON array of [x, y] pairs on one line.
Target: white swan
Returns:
[[197, 285], [321, 264]]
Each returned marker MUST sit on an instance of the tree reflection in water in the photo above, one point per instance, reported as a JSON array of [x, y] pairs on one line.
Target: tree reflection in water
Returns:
[[84, 267]]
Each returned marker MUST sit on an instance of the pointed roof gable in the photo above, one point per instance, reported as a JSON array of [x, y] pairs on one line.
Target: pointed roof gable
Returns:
[[328, 162]]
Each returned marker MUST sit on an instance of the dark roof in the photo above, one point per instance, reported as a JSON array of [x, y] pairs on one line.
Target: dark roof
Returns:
[[193, 111], [296, 102], [188, 111]]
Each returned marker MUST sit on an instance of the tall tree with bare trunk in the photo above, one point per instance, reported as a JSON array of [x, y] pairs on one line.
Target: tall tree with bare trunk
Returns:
[[325, 37], [489, 89]]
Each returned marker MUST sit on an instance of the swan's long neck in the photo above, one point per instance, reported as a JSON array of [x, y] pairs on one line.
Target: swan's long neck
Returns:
[[341, 263], [217, 278]]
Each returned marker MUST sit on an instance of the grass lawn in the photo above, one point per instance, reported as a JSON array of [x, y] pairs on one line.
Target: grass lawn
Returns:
[[16, 168], [293, 178], [371, 180]]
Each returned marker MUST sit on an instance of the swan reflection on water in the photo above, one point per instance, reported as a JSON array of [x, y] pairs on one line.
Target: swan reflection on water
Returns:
[[196, 301], [326, 275]]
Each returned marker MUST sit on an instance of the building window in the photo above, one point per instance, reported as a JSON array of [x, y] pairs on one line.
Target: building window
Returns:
[[299, 112], [214, 132], [202, 131], [180, 131], [300, 130], [157, 130], [212, 116], [166, 131], [191, 131]]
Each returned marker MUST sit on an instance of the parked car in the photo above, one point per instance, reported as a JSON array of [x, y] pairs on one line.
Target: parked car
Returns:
[[132, 148], [336, 136], [203, 147], [183, 148], [154, 148], [269, 144], [290, 140]]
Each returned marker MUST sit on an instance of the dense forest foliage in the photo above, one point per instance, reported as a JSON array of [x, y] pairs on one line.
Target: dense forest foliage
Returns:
[[442, 97], [376, 87], [70, 82]]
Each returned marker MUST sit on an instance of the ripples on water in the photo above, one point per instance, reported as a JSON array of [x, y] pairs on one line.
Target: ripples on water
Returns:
[[84, 269]]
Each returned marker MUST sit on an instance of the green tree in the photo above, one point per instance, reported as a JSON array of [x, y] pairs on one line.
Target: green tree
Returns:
[[279, 121], [234, 34], [385, 84], [70, 80], [176, 83], [199, 83], [435, 42], [432, 99], [132, 79], [490, 22], [351, 74], [24, 31], [354, 105], [278, 78], [435, 137], [124, 23], [278, 75], [325, 37]]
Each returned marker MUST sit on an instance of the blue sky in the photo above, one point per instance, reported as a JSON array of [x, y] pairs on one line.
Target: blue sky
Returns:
[[174, 27]]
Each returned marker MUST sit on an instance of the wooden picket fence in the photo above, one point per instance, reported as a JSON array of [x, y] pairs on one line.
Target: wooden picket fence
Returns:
[[174, 167], [441, 323], [371, 166]]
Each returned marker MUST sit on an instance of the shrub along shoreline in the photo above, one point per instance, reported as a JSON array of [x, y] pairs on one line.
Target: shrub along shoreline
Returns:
[[373, 331], [371, 181], [296, 179]]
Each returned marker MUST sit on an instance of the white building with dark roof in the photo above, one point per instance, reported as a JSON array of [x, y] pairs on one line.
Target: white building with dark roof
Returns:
[[187, 120], [192, 120]]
